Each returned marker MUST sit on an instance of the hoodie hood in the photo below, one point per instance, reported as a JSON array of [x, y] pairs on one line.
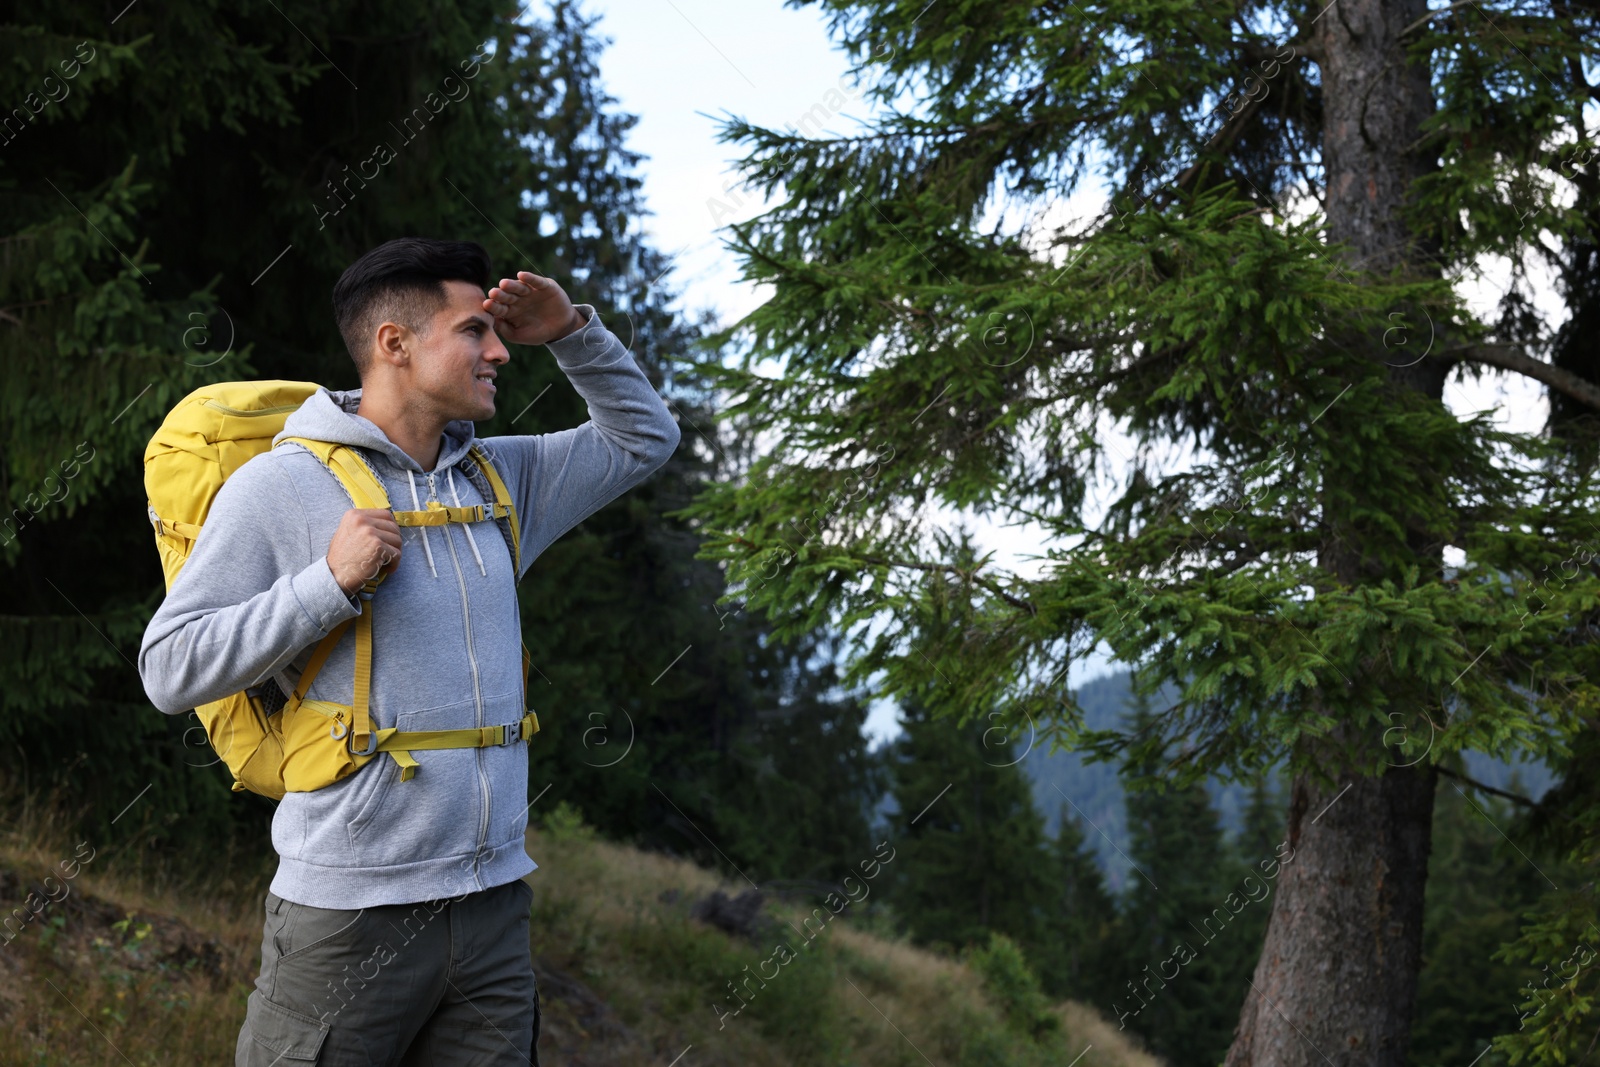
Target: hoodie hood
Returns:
[[330, 415]]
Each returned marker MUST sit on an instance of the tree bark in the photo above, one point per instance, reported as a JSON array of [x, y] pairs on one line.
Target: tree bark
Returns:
[[1337, 979]]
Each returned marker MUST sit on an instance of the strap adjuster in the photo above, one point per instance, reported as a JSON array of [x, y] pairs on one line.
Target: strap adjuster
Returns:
[[512, 733]]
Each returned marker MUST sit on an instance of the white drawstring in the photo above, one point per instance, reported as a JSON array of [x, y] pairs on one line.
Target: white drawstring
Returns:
[[450, 476], [417, 504]]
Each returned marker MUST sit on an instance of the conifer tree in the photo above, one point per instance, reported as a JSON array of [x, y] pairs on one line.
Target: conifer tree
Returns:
[[1274, 284], [1185, 918], [1257, 851], [1480, 885], [1555, 956], [1556, 1020], [970, 850], [1263, 821], [1081, 948]]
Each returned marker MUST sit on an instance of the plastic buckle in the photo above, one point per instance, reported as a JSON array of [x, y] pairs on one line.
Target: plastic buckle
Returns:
[[372, 746], [512, 734]]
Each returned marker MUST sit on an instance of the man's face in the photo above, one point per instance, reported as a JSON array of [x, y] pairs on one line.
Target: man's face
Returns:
[[454, 362]]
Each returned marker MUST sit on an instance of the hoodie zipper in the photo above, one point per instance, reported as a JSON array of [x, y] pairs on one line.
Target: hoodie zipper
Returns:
[[477, 691]]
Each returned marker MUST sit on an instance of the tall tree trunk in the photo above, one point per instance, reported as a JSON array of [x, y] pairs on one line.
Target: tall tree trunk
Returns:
[[1337, 979]]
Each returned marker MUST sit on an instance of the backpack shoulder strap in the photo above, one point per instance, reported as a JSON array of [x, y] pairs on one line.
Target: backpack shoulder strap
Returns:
[[352, 471], [365, 491], [502, 497]]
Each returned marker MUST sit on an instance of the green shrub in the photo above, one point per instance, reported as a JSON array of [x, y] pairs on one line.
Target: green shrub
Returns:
[[565, 823], [1013, 985]]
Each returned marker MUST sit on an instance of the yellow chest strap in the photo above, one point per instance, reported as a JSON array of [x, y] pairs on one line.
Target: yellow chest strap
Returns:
[[436, 514]]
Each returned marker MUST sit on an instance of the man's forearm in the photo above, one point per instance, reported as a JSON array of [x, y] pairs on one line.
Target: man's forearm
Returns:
[[579, 321], [189, 658], [622, 403], [248, 600], [562, 477]]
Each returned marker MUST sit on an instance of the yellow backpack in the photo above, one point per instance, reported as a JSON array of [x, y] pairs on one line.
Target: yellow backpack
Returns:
[[309, 744]]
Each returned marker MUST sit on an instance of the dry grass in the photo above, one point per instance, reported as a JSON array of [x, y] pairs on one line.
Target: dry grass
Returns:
[[129, 964], [854, 998], [626, 976], [1097, 1030]]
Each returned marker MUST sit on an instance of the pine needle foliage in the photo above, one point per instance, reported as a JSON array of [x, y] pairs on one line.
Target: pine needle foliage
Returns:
[[911, 355]]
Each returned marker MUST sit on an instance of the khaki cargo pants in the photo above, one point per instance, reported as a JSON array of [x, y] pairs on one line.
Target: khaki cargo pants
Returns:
[[443, 982]]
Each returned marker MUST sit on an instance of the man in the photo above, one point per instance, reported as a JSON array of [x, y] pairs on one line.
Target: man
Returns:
[[397, 923]]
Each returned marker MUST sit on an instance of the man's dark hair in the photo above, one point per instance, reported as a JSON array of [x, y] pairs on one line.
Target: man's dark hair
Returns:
[[401, 281]]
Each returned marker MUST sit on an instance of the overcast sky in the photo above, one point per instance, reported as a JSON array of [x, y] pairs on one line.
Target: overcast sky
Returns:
[[679, 65]]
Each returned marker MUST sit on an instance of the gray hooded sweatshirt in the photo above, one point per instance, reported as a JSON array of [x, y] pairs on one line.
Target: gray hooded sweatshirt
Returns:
[[256, 595]]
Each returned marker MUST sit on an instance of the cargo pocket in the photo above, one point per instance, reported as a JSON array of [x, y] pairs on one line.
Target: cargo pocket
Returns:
[[284, 1034]]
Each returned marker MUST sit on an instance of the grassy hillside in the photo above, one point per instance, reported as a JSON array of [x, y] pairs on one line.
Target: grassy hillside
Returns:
[[138, 964]]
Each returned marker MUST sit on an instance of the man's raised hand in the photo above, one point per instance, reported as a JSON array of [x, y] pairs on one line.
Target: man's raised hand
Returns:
[[366, 543], [532, 310]]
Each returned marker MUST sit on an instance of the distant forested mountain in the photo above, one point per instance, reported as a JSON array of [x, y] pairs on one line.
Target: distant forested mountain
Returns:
[[1097, 791]]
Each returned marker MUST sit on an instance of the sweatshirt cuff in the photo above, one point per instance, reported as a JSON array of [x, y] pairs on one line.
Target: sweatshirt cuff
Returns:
[[588, 344], [321, 598]]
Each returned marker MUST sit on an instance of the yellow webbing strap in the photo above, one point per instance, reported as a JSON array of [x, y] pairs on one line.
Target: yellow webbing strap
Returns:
[[318, 658], [184, 531], [403, 760], [437, 514], [365, 492], [400, 745], [360, 723], [502, 497]]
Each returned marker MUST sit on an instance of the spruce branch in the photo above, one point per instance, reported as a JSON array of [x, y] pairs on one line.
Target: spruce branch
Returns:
[[961, 572], [1435, 13], [1302, 47], [1513, 358], [1516, 798]]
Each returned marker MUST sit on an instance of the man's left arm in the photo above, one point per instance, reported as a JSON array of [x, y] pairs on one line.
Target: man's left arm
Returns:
[[559, 479]]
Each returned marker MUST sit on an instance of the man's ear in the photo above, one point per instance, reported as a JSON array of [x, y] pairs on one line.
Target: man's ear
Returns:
[[393, 344]]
